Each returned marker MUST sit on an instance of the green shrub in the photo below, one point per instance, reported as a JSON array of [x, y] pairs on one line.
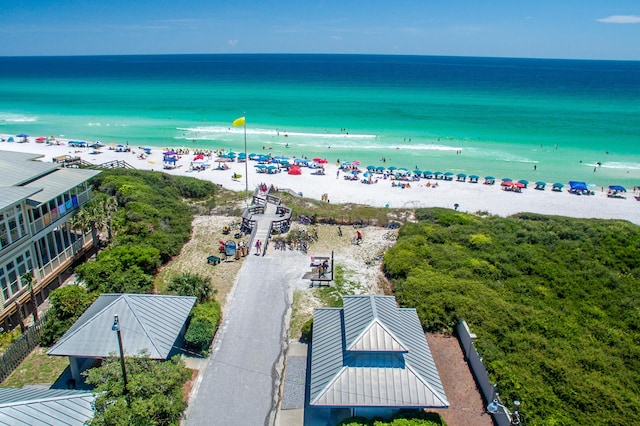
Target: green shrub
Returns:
[[205, 319], [67, 304], [555, 303], [306, 332]]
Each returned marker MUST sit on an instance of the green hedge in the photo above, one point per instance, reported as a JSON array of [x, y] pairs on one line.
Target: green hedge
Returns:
[[205, 319]]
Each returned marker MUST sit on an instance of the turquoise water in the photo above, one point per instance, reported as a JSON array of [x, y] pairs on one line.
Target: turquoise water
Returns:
[[474, 115]]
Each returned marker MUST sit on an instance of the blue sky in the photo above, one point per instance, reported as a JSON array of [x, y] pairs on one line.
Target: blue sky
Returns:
[[588, 29]]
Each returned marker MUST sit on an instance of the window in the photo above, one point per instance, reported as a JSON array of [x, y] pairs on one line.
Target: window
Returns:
[[4, 285]]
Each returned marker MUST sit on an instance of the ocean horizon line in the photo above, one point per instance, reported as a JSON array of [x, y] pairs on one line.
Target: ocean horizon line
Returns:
[[319, 54]]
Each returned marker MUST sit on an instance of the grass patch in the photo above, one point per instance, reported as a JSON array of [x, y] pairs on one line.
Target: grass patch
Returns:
[[37, 368], [331, 296]]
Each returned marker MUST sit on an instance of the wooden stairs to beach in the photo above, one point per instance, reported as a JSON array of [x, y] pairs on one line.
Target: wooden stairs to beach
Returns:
[[115, 164]]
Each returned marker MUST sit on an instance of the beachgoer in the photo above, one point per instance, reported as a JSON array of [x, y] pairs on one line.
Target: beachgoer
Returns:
[[258, 244], [358, 237], [339, 231], [324, 267], [535, 167], [456, 206]]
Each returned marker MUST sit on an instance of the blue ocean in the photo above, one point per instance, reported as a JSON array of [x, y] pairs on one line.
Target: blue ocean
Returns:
[[534, 119]]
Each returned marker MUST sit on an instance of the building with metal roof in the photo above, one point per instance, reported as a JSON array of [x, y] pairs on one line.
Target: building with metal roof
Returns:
[[371, 358], [45, 407], [149, 323], [37, 201]]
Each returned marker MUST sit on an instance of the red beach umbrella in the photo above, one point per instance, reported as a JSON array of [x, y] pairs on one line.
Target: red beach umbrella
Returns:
[[295, 170]]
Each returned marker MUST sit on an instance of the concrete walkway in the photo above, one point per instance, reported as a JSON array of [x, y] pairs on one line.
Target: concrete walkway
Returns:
[[240, 384]]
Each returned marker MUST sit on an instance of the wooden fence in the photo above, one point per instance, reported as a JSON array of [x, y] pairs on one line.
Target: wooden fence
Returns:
[[21, 348]]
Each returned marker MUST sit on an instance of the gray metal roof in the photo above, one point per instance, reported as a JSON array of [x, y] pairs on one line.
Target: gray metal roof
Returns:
[[11, 195], [58, 182], [147, 322], [372, 353], [16, 168], [39, 407]]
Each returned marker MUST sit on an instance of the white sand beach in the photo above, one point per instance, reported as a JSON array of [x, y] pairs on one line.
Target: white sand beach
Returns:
[[470, 197]]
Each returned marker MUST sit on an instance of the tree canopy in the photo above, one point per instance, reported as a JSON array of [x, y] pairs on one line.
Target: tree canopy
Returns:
[[554, 301], [154, 392]]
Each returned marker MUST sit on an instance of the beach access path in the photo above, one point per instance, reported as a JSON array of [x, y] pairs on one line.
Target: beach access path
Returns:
[[240, 384]]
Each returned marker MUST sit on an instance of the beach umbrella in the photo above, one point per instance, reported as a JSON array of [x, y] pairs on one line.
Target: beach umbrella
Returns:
[[417, 172], [262, 166], [22, 135], [437, 173], [507, 180], [519, 185], [356, 162], [391, 168], [476, 177], [380, 169], [371, 167], [295, 170], [617, 188], [461, 175], [41, 139], [489, 178], [524, 182], [558, 185], [367, 174], [448, 173], [507, 183]]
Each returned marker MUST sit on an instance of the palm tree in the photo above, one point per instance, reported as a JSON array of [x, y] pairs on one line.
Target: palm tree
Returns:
[[27, 280], [192, 285]]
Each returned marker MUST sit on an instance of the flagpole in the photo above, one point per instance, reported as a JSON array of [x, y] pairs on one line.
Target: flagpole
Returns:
[[246, 167]]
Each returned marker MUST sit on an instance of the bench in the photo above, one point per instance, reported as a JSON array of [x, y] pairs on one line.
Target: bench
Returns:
[[213, 260]]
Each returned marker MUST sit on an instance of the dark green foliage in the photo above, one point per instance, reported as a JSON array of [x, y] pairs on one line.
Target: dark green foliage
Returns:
[[199, 334], [555, 303], [67, 304], [403, 418], [153, 223], [152, 212], [307, 331], [192, 285], [205, 318], [121, 269], [155, 395]]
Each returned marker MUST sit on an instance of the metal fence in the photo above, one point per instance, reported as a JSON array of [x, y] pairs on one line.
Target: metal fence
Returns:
[[466, 339], [21, 348]]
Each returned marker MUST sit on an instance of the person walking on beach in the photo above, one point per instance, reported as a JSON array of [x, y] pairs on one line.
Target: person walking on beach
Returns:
[[358, 237]]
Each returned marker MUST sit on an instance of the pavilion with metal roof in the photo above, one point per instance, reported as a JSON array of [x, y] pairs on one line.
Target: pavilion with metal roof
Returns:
[[40, 407], [149, 323], [372, 358]]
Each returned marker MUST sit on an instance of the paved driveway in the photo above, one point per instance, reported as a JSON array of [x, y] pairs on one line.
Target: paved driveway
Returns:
[[240, 383]]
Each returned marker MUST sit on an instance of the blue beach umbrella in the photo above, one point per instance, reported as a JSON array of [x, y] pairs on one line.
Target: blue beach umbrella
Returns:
[[474, 177], [417, 172], [489, 178], [617, 188], [507, 179], [524, 181], [392, 168], [371, 167], [379, 169]]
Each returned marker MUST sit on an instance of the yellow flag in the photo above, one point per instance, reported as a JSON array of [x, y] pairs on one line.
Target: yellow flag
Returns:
[[238, 122]]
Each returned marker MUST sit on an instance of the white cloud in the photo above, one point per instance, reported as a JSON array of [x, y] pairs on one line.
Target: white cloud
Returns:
[[620, 19]]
